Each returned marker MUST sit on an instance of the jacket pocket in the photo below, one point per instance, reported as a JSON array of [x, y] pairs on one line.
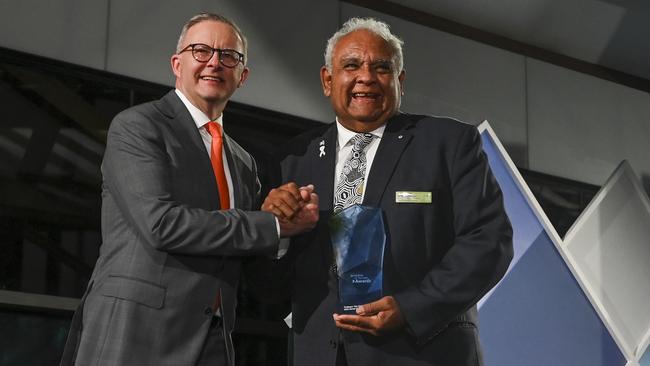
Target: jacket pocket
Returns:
[[134, 289]]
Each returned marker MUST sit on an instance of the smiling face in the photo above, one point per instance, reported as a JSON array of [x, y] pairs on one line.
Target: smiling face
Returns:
[[209, 85], [364, 86]]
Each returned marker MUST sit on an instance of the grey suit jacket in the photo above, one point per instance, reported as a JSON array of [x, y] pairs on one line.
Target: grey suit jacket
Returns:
[[167, 250], [441, 256]]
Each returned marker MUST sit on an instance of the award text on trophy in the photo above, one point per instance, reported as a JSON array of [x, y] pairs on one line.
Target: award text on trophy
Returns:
[[358, 240]]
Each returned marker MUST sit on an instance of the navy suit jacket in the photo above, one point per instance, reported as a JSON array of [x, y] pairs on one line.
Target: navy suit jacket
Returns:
[[441, 257]]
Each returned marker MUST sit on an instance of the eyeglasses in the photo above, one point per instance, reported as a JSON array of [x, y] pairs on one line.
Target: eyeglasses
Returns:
[[203, 53]]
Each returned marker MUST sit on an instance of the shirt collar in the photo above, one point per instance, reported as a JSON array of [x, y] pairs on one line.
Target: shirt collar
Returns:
[[200, 118], [345, 135]]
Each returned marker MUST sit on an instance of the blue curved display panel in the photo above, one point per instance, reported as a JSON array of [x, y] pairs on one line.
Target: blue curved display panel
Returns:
[[538, 314]]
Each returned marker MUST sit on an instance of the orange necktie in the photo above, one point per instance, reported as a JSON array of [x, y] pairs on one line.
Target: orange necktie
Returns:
[[216, 157]]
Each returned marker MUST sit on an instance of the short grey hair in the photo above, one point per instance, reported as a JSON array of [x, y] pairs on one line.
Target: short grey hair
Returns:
[[375, 26], [213, 17]]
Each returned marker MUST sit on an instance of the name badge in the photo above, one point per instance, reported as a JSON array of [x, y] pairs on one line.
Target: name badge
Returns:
[[412, 197]]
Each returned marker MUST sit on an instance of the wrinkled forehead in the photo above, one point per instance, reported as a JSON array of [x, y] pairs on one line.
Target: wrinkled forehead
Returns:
[[363, 44]]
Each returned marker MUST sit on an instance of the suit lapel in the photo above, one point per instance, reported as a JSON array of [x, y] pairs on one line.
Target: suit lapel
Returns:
[[185, 130], [396, 137], [323, 162], [183, 123], [323, 159], [236, 167]]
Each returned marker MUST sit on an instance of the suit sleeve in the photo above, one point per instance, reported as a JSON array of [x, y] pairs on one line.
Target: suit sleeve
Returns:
[[479, 255], [136, 170]]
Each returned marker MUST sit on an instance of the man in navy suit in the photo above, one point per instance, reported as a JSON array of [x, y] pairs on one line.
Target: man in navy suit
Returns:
[[449, 239]]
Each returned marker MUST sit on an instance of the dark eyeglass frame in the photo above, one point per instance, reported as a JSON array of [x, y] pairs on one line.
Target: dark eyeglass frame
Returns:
[[219, 51]]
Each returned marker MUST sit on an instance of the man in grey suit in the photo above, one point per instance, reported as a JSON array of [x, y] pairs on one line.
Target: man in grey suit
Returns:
[[175, 224]]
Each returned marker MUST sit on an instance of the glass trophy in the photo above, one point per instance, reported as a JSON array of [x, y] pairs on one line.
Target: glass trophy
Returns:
[[358, 239]]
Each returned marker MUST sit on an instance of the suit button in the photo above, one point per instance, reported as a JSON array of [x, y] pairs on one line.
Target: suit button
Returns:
[[332, 344], [207, 311]]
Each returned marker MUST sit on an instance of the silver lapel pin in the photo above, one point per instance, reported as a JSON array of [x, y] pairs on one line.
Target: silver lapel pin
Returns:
[[322, 149]]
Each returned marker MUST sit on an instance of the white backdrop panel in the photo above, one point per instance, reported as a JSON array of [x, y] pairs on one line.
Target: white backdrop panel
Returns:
[[143, 36], [67, 30], [452, 76], [285, 50], [581, 127], [609, 247]]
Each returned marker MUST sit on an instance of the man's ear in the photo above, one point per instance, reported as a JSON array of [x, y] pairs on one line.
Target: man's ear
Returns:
[[326, 81], [401, 77], [243, 77], [176, 65]]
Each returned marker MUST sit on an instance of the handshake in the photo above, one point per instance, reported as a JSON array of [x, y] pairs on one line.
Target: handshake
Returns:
[[296, 208]]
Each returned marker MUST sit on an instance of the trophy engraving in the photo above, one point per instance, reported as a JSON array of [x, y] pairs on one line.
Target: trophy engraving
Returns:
[[358, 240]]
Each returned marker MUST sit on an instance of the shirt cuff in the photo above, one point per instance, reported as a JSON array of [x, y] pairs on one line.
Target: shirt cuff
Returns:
[[283, 246]]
